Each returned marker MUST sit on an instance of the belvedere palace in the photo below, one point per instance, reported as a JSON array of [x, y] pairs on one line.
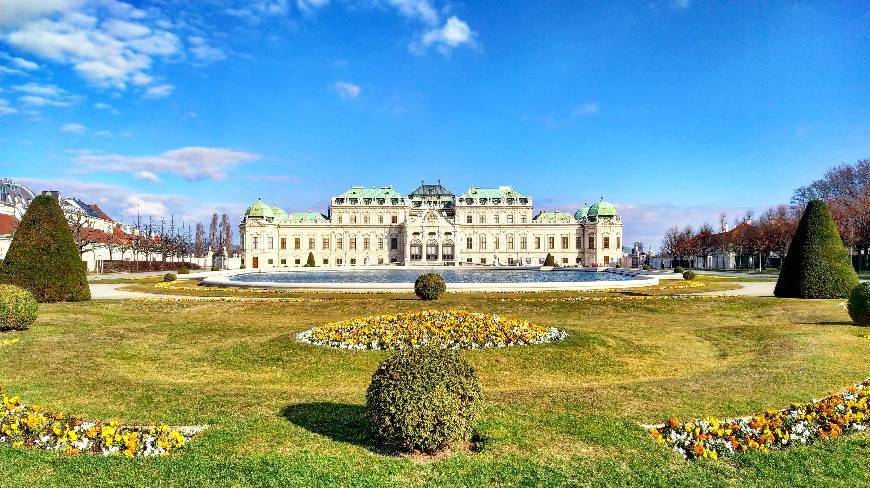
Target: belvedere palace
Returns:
[[431, 226]]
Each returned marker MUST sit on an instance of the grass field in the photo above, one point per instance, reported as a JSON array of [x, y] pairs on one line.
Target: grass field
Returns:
[[283, 413]]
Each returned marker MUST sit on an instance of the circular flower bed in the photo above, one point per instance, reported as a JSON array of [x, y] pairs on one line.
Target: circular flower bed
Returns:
[[447, 329]]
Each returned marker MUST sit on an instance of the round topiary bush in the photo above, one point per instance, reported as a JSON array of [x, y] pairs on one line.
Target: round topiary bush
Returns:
[[43, 257], [647, 267], [214, 267], [169, 277], [689, 275], [183, 270], [17, 308], [429, 286], [859, 304], [423, 399], [679, 269], [817, 264]]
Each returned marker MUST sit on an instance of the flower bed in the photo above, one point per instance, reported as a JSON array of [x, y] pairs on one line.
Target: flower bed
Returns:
[[23, 425], [447, 329], [8, 342], [799, 424]]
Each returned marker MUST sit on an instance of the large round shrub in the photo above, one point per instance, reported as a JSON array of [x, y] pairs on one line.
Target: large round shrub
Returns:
[[859, 304], [647, 267], [43, 257], [17, 308], [817, 264], [423, 399], [169, 277], [689, 275], [429, 286], [679, 269], [184, 270]]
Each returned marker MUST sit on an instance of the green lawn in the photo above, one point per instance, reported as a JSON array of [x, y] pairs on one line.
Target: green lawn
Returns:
[[283, 413]]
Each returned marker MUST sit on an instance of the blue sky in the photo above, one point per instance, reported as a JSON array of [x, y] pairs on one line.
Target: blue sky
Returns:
[[673, 110]]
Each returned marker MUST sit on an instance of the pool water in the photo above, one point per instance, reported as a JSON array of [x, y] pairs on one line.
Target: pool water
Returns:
[[450, 276]]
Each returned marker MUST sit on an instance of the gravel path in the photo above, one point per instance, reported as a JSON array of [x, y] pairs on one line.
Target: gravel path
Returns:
[[747, 289]]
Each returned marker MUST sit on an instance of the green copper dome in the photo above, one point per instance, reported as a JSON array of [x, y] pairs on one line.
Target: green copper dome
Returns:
[[602, 209], [279, 213], [582, 213], [259, 209]]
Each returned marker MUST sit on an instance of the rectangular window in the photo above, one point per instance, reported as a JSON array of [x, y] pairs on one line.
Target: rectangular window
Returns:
[[495, 241], [469, 243], [522, 219], [297, 261], [564, 242], [284, 262], [338, 262], [365, 243], [591, 242], [483, 219], [469, 219], [394, 243], [339, 219], [537, 242], [271, 243], [606, 242], [353, 243], [380, 244], [325, 243], [579, 242], [497, 218], [338, 245], [297, 243], [380, 260], [353, 219], [551, 242], [365, 219], [380, 219], [310, 243], [353, 261], [482, 260], [325, 261], [255, 243], [618, 242], [283, 243], [270, 261], [483, 243], [523, 243], [510, 243], [510, 218], [395, 219], [564, 260]]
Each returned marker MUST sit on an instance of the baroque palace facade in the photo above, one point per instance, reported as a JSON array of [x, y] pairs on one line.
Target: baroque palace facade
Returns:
[[430, 227]]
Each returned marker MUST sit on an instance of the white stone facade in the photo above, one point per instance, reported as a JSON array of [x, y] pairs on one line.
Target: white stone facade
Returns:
[[430, 227]]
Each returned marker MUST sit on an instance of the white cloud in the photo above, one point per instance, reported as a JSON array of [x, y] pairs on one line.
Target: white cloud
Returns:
[[158, 91], [682, 3], [45, 95], [73, 128], [106, 107], [452, 34], [5, 109], [147, 176], [310, 5], [20, 63], [191, 163], [588, 108], [202, 51], [346, 90], [104, 133]]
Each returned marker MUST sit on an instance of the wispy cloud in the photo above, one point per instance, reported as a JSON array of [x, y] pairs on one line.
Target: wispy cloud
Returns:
[[588, 108], [204, 52], [158, 91], [346, 90], [147, 176], [5, 109], [42, 95], [73, 128], [191, 163]]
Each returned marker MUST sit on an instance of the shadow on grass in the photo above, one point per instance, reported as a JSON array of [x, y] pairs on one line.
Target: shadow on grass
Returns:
[[341, 422], [841, 322]]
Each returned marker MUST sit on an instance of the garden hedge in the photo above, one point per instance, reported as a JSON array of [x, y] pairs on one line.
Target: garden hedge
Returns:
[[859, 304], [18, 308], [43, 257], [423, 399], [429, 286], [817, 264]]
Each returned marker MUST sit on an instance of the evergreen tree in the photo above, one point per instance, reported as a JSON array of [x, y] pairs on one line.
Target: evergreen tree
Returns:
[[43, 257], [549, 260], [310, 262], [817, 264]]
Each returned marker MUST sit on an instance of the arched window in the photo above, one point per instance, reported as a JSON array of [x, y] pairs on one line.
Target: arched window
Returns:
[[432, 250], [416, 250], [447, 251]]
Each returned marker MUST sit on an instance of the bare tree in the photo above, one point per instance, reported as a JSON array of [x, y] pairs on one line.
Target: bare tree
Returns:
[[227, 234], [199, 242], [213, 237]]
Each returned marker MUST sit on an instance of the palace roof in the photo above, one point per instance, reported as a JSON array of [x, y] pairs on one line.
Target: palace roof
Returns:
[[500, 192], [556, 217], [425, 190], [602, 209], [307, 216], [259, 209], [372, 192]]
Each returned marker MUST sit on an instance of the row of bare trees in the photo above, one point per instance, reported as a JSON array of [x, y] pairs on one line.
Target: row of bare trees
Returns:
[[845, 188]]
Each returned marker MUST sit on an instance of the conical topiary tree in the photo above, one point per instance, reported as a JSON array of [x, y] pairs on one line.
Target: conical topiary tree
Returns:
[[310, 262], [817, 264], [43, 257]]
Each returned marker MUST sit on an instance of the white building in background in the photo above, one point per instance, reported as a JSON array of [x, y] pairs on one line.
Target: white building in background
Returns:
[[430, 226]]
